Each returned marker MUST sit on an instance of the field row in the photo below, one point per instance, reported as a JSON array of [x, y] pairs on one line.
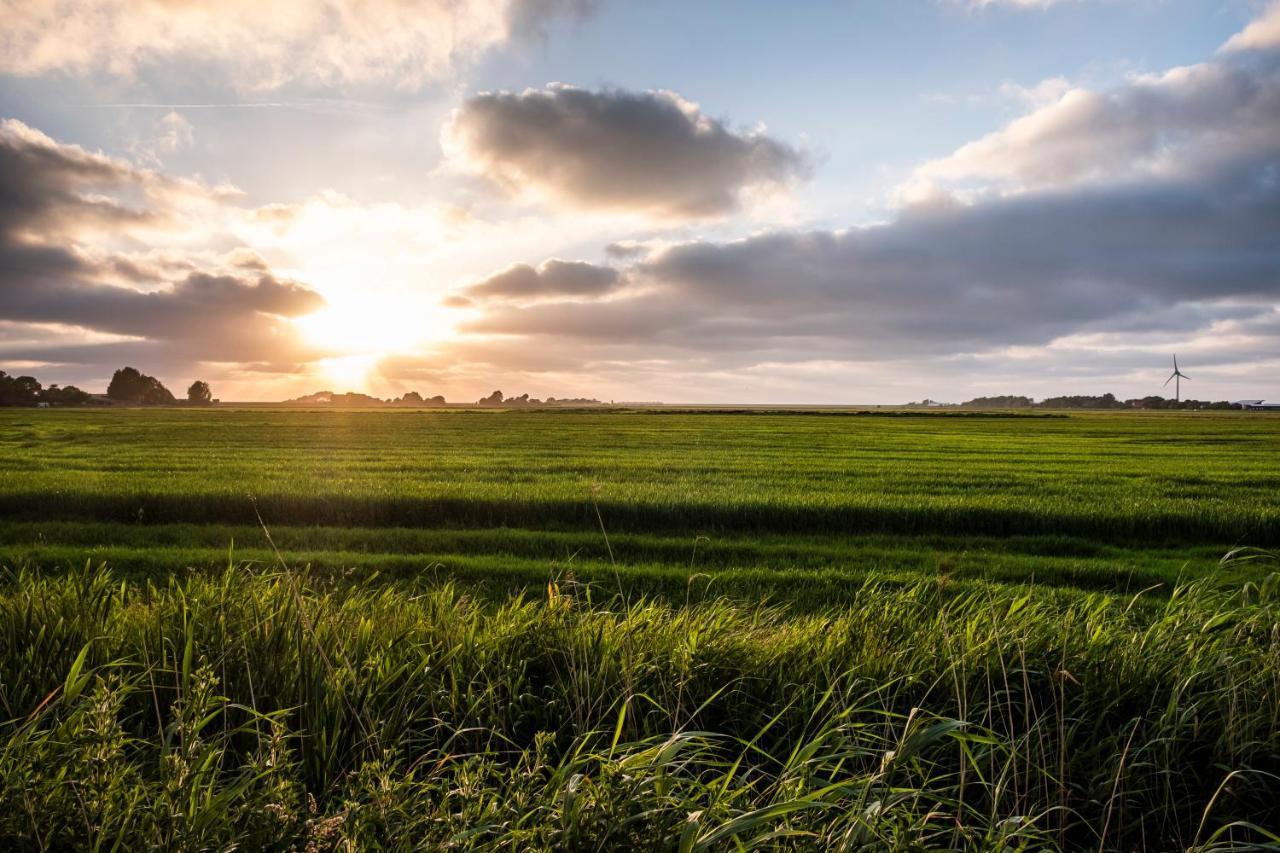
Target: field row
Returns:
[[803, 571]]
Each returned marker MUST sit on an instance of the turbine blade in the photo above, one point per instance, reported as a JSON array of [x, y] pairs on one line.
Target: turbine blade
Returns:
[[1167, 381], [1175, 362], [1184, 376]]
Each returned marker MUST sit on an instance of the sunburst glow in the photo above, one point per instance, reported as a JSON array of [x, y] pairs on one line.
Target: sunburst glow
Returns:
[[359, 326]]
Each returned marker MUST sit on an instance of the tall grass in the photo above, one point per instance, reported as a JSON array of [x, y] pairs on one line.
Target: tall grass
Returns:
[[280, 709]]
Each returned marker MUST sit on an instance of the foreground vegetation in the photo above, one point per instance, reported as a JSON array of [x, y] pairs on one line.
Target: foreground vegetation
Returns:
[[588, 630], [272, 709]]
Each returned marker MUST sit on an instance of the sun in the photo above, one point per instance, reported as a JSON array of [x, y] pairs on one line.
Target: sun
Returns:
[[348, 372], [360, 331], [355, 326]]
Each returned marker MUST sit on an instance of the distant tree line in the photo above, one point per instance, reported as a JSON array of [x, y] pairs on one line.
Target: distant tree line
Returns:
[[413, 398], [27, 391], [329, 398], [496, 399], [128, 385], [1007, 401], [1082, 401]]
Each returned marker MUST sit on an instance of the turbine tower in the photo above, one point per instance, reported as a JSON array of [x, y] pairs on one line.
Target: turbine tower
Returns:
[[1179, 376]]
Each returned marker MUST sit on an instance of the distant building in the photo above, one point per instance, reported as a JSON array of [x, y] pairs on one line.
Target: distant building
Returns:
[[1258, 405]]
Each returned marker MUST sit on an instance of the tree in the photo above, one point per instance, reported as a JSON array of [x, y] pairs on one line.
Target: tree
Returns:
[[494, 399], [199, 393], [68, 396], [18, 390], [1007, 401], [157, 395], [128, 385]]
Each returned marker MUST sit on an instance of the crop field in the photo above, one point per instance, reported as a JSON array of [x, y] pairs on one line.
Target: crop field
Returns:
[[754, 502], [275, 628]]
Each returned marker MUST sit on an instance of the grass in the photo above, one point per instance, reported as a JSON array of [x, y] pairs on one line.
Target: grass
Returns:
[[590, 630], [1149, 477], [808, 572], [268, 709]]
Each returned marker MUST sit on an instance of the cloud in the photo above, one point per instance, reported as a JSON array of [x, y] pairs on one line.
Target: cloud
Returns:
[[1188, 120], [1021, 270], [530, 17], [1146, 214], [170, 133], [625, 249], [74, 227], [652, 152], [552, 279], [267, 43], [1261, 34], [1046, 92]]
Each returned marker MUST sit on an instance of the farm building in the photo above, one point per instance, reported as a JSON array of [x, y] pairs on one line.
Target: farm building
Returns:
[[1258, 405]]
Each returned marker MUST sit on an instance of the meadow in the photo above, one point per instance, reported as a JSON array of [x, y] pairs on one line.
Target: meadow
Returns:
[[666, 630]]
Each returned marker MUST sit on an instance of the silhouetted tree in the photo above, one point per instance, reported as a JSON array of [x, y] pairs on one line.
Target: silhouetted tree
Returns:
[[128, 385], [199, 393], [18, 390], [158, 395], [494, 399], [1165, 403], [68, 396], [1008, 401]]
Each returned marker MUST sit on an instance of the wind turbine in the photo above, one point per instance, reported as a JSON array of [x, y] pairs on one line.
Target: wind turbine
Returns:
[[1178, 375]]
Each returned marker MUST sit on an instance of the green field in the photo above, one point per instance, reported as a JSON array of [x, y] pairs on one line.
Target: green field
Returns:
[[759, 503], [604, 630]]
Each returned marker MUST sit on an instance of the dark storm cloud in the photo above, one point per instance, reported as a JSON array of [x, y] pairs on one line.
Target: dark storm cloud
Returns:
[[650, 152], [55, 201]]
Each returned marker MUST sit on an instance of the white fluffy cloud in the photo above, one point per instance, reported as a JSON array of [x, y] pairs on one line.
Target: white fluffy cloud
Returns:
[[1189, 120], [1261, 34]]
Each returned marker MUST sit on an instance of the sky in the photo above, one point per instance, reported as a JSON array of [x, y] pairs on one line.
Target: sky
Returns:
[[720, 202]]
